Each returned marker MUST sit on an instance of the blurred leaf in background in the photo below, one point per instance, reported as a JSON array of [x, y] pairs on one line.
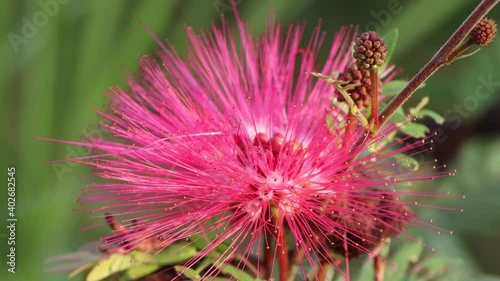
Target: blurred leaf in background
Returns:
[[60, 56]]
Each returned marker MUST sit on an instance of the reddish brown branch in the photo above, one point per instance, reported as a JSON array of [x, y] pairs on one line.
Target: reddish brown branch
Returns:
[[440, 58]]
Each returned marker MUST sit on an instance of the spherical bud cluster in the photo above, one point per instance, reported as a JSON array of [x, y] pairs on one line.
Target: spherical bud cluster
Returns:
[[360, 94], [370, 50], [484, 32]]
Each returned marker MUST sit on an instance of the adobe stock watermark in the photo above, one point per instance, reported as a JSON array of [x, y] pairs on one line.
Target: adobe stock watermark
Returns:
[[222, 6], [32, 24], [458, 112], [75, 151], [383, 18]]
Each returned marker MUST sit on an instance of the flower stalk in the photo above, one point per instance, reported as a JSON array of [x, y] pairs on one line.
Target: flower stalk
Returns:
[[374, 98], [438, 60], [281, 248], [482, 34]]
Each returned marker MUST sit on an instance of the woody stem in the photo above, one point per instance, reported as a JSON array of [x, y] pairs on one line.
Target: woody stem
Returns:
[[438, 60]]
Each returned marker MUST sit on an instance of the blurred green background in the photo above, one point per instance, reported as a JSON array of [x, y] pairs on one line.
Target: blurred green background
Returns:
[[59, 57]]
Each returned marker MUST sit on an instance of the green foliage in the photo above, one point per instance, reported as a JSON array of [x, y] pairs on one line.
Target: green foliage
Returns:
[[391, 40], [110, 265], [410, 261], [409, 124], [238, 274], [188, 272], [393, 87], [400, 261], [431, 114], [415, 129], [135, 264]]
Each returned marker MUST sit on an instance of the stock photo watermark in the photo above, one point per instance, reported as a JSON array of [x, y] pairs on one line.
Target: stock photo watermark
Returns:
[[11, 219], [382, 18], [32, 24]]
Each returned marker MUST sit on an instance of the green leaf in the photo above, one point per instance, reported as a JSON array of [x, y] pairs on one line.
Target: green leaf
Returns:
[[108, 266], [188, 272], [416, 130], [438, 118], [390, 39], [138, 263], [173, 254], [406, 254], [393, 88], [136, 272], [435, 266], [406, 160], [238, 274], [205, 263], [399, 116], [200, 242], [366, 271]]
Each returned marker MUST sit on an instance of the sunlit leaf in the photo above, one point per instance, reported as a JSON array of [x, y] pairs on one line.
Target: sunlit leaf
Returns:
[[173, 254], [438, 118], [136, 272], [416, 130], [108, 266], [138, 263], [407, 161], [188, 272]]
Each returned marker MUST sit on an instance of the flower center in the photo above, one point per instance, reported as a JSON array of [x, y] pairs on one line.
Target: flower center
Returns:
[[277, 161]]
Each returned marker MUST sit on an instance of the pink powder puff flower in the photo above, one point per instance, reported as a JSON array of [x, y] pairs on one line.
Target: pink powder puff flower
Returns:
[[232, 142]]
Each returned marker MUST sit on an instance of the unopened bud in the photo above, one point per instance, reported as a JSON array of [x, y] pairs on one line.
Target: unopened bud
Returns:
[[354, 74], [484, 32], [370, 50]]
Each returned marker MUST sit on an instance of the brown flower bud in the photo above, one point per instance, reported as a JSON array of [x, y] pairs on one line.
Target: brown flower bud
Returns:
[[360, 94], [484, 32], [370, 50]]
